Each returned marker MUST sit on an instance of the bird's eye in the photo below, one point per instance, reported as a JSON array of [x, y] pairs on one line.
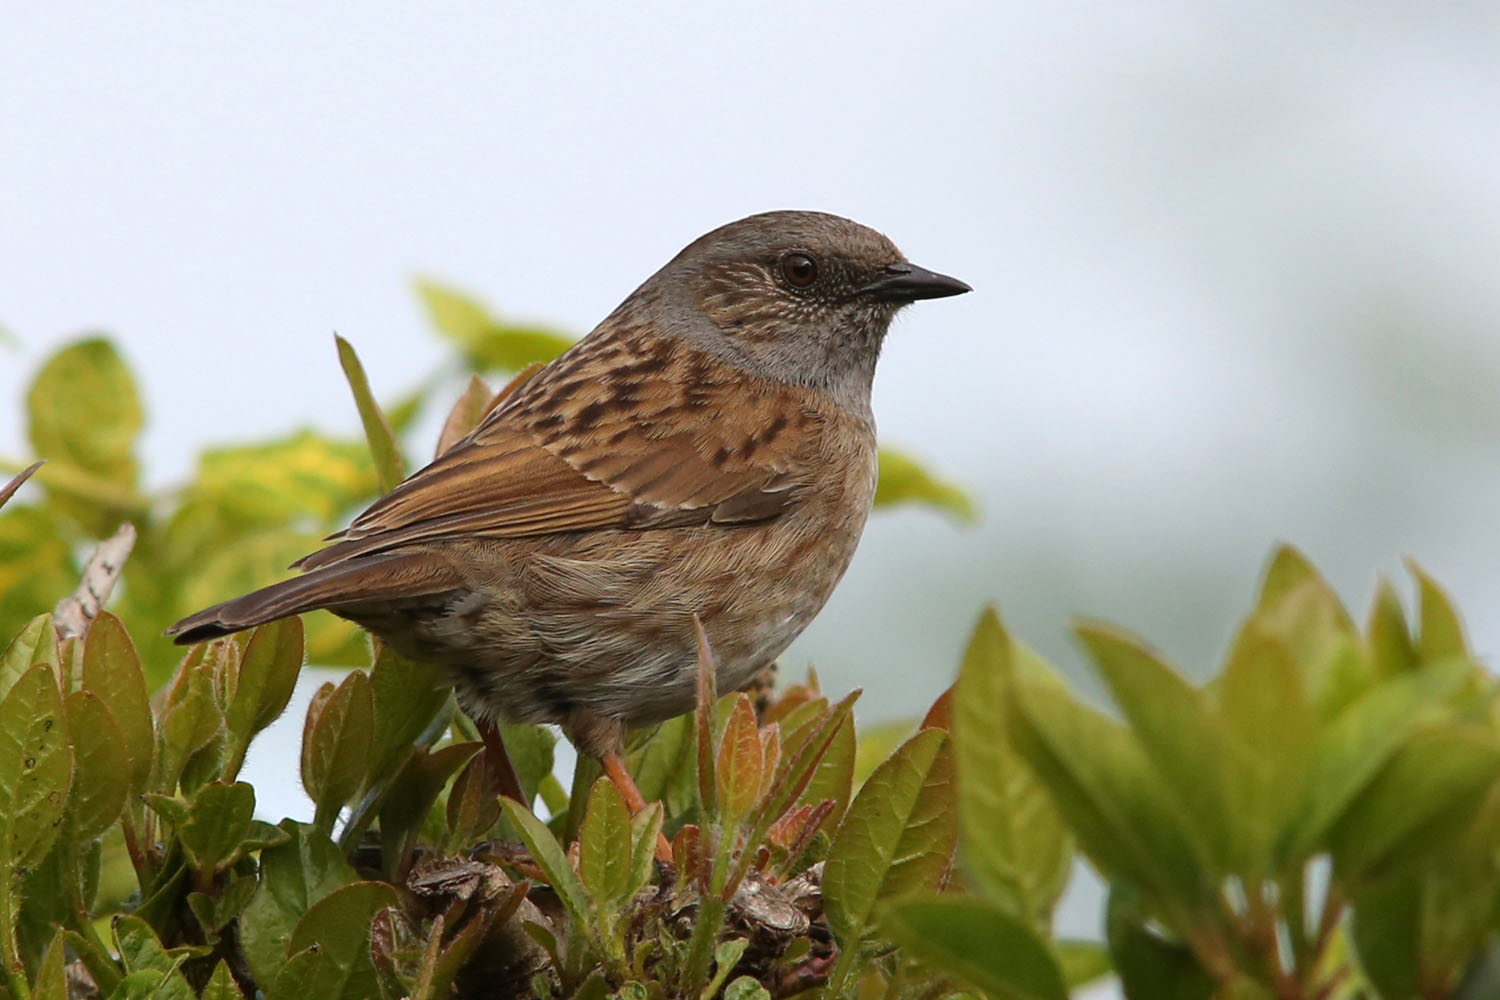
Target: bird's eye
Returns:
[[800, 269]]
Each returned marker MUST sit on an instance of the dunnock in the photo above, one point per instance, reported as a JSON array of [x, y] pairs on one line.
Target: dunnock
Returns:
[[708, 450]]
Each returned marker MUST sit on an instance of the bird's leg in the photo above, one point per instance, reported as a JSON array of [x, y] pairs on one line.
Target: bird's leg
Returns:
[[614, 767], [604, 739], [503, 777]]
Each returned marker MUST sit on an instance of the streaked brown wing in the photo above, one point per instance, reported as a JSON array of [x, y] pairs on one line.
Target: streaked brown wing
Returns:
[[606, 437]]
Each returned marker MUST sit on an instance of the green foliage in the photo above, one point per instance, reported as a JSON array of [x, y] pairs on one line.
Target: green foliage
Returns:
[[1319, 820]]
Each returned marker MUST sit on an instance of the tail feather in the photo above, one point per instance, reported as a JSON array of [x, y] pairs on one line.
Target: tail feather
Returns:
[[381, 577]]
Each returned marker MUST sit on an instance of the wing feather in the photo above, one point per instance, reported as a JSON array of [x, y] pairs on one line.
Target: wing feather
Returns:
[[628, 431]]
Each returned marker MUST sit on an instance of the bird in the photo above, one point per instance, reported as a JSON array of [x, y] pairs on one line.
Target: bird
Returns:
[[705, 458]]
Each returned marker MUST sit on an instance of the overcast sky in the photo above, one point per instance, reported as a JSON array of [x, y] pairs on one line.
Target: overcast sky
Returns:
[[1234, 270]]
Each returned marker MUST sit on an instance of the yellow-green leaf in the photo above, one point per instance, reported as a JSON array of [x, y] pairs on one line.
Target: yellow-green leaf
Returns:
[[143, 955], [31, 646], [294, 876], [36, 564], [903, 480], [407, 697], [302, 475], [101, 773], [1103, 785], [1013, 840], [550, 858], [978, 943], [221, 985], [36, 769], [897, 837], [112, 670], [604, 847], [84, 416], [218, 820], [486, 342], [1441, 634], [51, 982], [336, 750], [330, 947], [389, 468]]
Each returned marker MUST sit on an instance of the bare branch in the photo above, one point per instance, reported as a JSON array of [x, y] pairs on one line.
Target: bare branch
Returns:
[[76, 612]]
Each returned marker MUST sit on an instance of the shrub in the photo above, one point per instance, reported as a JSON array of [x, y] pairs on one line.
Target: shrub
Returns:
[[1319, 820]]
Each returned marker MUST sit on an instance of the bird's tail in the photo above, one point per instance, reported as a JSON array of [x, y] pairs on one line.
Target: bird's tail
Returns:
[[382, 577]]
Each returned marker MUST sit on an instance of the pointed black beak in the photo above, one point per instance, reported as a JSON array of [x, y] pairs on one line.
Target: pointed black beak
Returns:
[[906, 282]]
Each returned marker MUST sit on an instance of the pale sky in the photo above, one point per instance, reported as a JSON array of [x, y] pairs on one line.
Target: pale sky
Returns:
[[1234, 269]]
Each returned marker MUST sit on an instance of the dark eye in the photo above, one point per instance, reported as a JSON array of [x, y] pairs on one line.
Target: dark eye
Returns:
[[800, 269]]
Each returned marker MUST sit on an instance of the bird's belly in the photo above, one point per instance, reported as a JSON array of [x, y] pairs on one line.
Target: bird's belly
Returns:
[[604, 621]]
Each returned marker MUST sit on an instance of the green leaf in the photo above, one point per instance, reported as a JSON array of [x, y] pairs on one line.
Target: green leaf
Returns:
[[218, 821], [267, 676], [550, 858], [294, 876], [1441, 634], [336, 748], [389, 467], [1387, 933], [746, 988], [663, 765], [485, 341], [84, 416], [1389, 640], [1434, 780], [876, 743], [36, 770], [1357, 744], [833, 778], [51, 981], [112, 670], [330, 947], [1083, 962], [1270, 729], [604, 845], [726, 956], [1150, 966], [36, 568], [413, 791], [531, 753], [803, 752], [407, 697], [221, 985], [1171, 721], [897, 837], [1103, 786], [140, 952], [978, 943], [304, 474], [472, 805], [32, 645], [645, 827], [189, 725], [101, 774], [1298, 607], [903, 480], [214, 912], [1013, 839]]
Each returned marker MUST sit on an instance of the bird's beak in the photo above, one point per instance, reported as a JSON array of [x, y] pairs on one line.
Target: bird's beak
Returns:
[[906, 282]]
